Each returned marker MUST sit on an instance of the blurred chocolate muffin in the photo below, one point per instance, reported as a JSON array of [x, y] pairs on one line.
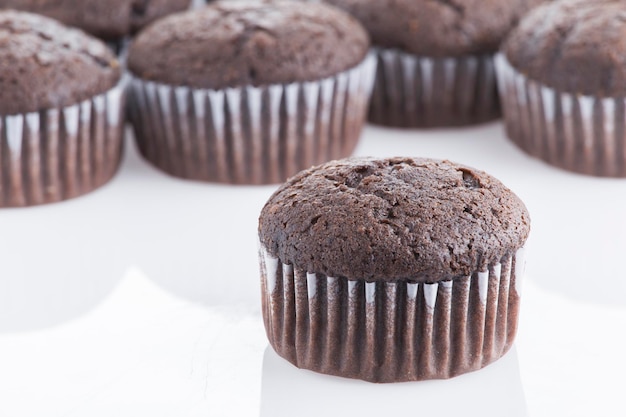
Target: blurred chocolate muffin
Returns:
[[435, 58], [61, 103], [110, 20], [249, 92], [563, 85]]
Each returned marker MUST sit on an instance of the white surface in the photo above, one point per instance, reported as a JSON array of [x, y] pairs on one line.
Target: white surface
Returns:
[[143, 299]]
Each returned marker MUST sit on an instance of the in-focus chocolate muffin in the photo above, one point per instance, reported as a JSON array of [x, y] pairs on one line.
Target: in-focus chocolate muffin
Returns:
[[110, 20], [563, 85], [249, 91], [391, 270], [60, 105], [435, 58]]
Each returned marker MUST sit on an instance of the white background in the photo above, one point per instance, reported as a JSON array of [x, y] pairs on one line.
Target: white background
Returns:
[[143, 299]]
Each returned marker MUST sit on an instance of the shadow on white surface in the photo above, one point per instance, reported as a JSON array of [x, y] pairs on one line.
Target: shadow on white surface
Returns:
[[197, 240], [141, 352], [494, 391], [58, 260]]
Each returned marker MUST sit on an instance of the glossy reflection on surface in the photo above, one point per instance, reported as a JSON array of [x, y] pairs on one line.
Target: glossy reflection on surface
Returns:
[[493, 391]]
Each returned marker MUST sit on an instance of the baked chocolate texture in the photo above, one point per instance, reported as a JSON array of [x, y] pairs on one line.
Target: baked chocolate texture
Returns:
[[394, 219], [237, 43], [575, 46], [110, 19], [438, 28], [392, 270], [44, 64]]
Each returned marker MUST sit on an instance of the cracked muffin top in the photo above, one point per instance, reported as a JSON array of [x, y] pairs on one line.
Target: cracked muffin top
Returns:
[[237, 43], [44, 64], [106, 19], [389, 219], [438, 28], [573, 45]]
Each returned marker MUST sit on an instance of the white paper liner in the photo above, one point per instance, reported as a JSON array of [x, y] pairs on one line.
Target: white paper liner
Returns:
[[390, 331], [57, 154], [579, 133], [414, 91], [250, 135]]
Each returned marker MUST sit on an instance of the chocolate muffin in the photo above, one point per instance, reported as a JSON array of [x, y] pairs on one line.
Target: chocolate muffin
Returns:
[[60, 103], [392, 270], [563, 85], [249, 92], [110, 20], [435, 58]]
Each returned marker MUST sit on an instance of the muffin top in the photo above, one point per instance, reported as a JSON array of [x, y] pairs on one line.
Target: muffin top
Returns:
[[236, 43], [438, 28], [577, 46], [44, 64], [388, 219], [107, 19]]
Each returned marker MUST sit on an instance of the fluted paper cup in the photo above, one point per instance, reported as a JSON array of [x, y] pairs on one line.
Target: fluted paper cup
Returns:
[[390, 331], [415, 91], [57, 154], [250, 135], [579, 133]]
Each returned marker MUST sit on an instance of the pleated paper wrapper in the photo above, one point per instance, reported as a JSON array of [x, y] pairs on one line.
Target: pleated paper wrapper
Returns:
[[58, 154], [390, 331], [575, 132], [250, 135], [414, 91]]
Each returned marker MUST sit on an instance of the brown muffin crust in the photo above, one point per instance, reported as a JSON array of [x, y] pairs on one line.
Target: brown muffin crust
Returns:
[[438, 27], [107, 19], [400, 218], [236, 43], [578, 46], [44, 64]]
